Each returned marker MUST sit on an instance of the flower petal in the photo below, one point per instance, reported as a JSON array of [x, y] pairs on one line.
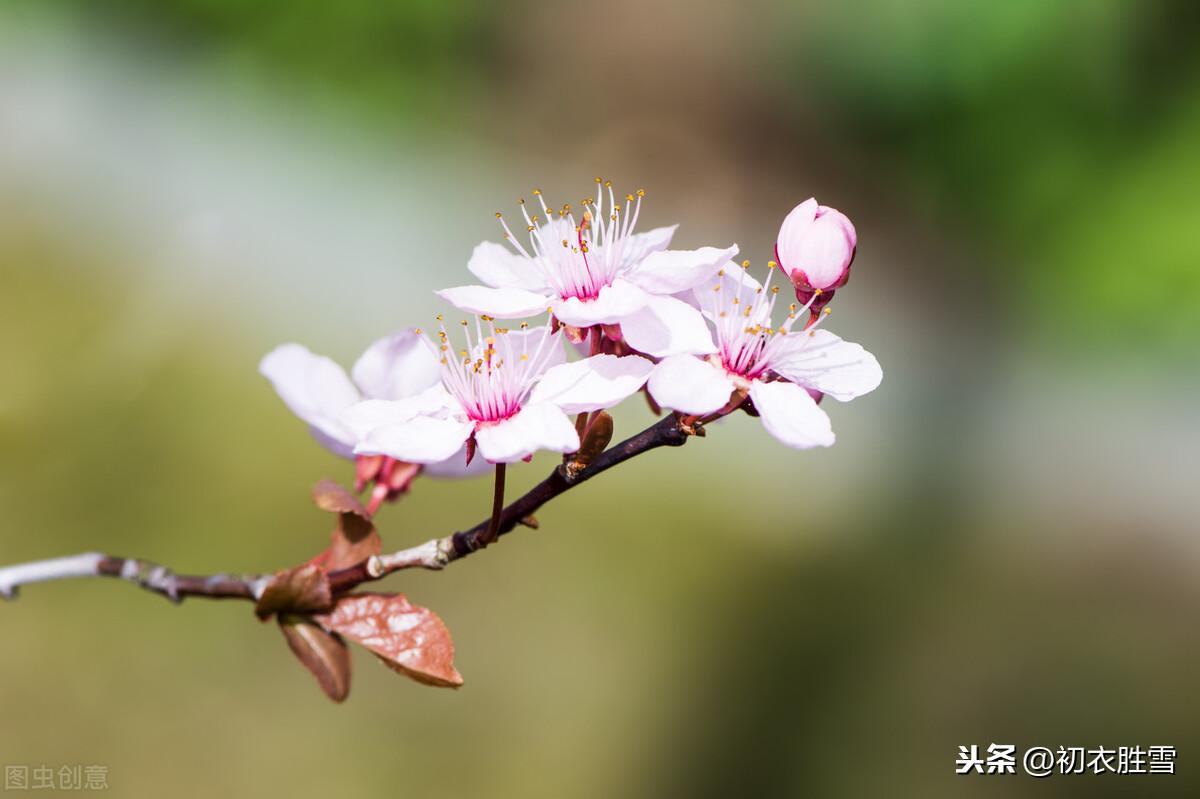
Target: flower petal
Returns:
[[600, 381], [396, 366], [820, 360], [422, 439], [816, 244], [667, 326], [791, 415], [639, 245], [456, 467], [534, 427], [314, 388], [614, 303], [363, 417], [500, 267], [671, 271], [688, 384], [503, 303]]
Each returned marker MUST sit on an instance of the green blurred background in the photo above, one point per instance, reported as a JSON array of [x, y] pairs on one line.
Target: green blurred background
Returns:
[[1001, 547]]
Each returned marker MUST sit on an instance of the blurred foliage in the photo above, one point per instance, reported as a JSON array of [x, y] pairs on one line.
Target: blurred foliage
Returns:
[[394, 61], [1063, 133]]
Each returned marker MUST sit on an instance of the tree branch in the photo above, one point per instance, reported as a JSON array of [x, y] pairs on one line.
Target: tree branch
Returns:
[[436, 553], [150, 576]]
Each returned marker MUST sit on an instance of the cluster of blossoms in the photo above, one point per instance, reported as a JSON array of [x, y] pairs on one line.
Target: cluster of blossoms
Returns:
[[690, 328], [614, 313]]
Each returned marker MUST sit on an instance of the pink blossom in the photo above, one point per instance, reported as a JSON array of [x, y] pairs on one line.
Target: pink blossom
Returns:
[[594, 270], [319, 391], [815, 247], [775, 367], [508, 391]]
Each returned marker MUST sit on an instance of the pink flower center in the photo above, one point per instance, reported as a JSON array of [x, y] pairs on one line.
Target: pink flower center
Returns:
[[747, 342], [493, 374], [578, 258]]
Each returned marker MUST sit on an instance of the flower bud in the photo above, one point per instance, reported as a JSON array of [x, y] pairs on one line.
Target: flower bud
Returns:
[[815, 248]]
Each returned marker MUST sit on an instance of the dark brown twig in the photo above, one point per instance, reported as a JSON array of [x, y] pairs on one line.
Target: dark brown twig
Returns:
[[433, 554]]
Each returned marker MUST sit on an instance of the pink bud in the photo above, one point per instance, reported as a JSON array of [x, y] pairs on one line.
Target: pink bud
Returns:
[[815, 248]]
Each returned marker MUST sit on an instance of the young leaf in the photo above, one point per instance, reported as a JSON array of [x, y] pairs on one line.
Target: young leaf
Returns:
[[354, 539], [332, 497], [322, 653], [594, 441], [408, 638], [303, 589]]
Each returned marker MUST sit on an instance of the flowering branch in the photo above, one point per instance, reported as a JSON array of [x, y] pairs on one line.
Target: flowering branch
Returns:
[[434, 554], [437, 553], [689, 328]]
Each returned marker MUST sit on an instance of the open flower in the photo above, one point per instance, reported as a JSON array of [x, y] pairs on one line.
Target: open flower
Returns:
[[775, 367], [595, 270], [318, 391], [815, 247], [507, 391]]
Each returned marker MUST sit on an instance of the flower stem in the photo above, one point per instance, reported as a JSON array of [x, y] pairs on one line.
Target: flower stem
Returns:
[[493, 531]]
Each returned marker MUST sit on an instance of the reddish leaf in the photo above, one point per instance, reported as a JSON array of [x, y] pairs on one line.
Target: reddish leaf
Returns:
[[332, 497], [408, 638], [355, 538], [304, 589], [595, 441], [324, 654]]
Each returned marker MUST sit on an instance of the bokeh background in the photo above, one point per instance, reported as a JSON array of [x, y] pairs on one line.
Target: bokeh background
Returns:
[[1002, 547]]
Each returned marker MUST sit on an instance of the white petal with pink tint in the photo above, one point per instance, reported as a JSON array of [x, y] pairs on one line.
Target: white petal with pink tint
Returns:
[[422, 439], [815, 244], [791, 415], [642, 244], [671, 271], [600, 381], [534, 427], [688, 384], [667, 326], [820, 360], [500, 267], [315, 388], [396, 366], [796, 223], [368, 415], [824, 253], [456, 466], [502, 303], [611, 305]]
